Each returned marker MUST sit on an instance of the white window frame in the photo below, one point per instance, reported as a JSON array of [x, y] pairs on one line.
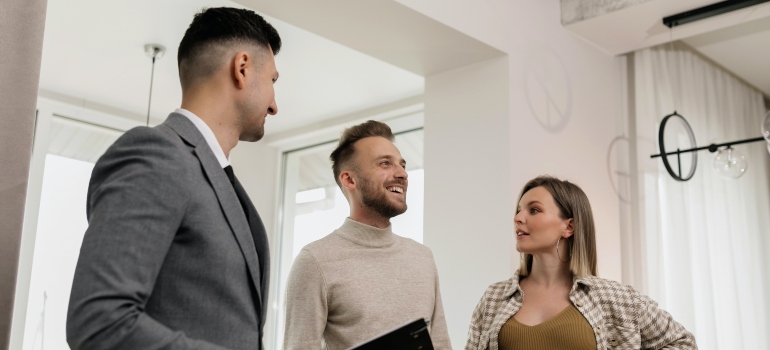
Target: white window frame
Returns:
[[48, 108], [403, 116]]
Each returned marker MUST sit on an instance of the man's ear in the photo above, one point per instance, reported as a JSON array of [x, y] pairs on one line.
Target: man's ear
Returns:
[[347, 180], [570, 229], [241, 61]]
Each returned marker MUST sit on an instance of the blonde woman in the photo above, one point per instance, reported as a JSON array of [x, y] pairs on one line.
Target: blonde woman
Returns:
[[555, 300]]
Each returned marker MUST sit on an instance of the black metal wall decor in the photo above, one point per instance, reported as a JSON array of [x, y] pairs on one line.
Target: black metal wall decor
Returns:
[[712, 148]]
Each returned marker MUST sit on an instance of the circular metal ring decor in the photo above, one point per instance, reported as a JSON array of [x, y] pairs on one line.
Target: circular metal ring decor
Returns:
[[665, 154]]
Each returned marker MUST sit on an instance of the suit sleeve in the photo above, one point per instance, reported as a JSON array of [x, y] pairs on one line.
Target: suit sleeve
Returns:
[[136, 203], [659, 330], [306, 304]]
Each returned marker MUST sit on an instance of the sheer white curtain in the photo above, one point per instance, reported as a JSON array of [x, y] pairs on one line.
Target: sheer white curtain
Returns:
[[705, 242]]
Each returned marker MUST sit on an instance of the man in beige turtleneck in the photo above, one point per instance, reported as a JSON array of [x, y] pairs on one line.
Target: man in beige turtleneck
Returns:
[[362, 280]]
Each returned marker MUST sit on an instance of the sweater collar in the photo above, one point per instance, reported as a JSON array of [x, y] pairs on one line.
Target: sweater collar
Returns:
[[365, 235]]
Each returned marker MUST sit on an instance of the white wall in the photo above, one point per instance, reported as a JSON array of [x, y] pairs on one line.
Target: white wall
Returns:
[[487, 132], [467, 185], [552, 74]]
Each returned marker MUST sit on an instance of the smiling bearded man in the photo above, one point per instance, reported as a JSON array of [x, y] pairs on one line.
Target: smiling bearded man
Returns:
[[362, 280], [377, 200]]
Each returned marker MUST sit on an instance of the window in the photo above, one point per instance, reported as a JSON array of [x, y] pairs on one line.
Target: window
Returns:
[[70, 148], [314, 206]]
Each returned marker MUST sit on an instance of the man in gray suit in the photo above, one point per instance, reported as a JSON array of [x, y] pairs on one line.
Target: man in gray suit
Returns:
[[175, 255]]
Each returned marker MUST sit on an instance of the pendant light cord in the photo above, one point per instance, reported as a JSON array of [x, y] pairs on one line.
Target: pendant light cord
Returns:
[[152, 77], [671, 54]]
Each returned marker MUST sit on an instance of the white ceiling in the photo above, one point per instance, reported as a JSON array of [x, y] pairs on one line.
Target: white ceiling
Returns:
[[743, 49], [739, 40], [387, 29], [93, 54]]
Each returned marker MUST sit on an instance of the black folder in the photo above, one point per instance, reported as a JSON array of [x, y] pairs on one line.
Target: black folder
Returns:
[[411, 336]]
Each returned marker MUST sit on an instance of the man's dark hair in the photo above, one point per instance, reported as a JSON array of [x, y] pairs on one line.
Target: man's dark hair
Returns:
[[343, 154], [200, 52]]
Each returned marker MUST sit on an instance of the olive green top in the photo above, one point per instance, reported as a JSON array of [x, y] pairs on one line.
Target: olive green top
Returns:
[[567, 330]]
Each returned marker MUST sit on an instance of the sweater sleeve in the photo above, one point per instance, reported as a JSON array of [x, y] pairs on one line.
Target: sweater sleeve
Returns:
[[306, 304], [659, 330], [438, 328]]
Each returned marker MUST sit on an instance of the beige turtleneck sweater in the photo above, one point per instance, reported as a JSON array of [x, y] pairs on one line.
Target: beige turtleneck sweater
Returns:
[[357, 283]]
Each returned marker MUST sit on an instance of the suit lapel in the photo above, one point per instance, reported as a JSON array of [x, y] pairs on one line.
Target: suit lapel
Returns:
[[225, 193]]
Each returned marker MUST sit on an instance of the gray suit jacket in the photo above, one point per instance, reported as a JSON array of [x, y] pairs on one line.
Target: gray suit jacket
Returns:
[[169, 260]]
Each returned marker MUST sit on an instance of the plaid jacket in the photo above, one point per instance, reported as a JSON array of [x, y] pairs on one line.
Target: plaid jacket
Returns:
[[621, 317]]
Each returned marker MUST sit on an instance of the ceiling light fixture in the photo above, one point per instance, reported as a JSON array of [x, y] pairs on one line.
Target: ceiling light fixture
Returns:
[[154, 51], [766, 129], [728, 162]]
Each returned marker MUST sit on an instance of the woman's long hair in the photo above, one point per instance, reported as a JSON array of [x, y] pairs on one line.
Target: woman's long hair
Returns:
[[580, 248]]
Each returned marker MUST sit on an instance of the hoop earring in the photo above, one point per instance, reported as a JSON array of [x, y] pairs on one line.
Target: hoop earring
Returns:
[[557, 251]]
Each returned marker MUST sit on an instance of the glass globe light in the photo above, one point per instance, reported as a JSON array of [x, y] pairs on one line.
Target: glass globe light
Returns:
[[766, 130], [730, 163]]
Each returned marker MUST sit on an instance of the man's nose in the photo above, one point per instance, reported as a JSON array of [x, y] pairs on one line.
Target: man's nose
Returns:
[[401, 173]]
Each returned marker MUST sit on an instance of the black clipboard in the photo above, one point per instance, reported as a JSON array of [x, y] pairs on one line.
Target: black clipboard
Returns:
[[411, 336]]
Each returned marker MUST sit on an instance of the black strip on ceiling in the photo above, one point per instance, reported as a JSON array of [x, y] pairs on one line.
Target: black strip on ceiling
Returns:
[[708, 11]]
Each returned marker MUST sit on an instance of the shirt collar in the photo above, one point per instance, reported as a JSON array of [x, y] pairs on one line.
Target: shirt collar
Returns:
[[586, 281], [208, 135]]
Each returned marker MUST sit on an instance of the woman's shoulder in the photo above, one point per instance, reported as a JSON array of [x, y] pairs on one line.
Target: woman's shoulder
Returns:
[[502, 290], [595, 283], [497, 290], [612, 294]]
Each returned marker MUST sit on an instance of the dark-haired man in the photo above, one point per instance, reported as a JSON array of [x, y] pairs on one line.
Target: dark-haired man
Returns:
[[175, 255], [363, 280]]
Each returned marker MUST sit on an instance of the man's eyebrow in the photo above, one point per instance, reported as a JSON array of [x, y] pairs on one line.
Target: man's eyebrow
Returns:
[[389, 157]]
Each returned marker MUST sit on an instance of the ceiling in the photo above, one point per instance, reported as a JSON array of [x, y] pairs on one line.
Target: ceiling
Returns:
[[739, 40], [93, 56], [743, 49]]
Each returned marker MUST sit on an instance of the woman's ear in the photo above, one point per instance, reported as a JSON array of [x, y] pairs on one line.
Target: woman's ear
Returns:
[[569, 230]]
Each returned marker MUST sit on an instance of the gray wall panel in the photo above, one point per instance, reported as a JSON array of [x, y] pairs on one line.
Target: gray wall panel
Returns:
[[21, 36]]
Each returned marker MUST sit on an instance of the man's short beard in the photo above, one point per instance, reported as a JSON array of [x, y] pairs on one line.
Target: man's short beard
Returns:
[[253, 135], [249, 131], [378, 201]]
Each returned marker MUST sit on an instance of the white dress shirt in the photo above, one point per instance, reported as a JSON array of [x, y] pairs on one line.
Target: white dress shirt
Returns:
[[211, 139]]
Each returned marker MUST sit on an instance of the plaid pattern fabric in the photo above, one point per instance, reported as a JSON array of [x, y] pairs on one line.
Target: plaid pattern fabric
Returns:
[[621, 317]]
